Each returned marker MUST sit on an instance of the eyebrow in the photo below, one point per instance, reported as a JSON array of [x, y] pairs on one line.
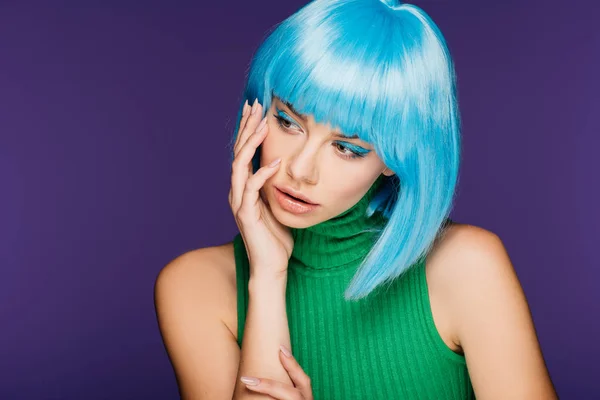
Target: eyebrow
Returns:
[[304, 118]]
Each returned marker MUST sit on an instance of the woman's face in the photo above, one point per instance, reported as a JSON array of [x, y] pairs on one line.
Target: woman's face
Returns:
[[330, 170]]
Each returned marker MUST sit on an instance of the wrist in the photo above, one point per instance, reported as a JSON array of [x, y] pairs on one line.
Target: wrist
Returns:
[[267, 283]]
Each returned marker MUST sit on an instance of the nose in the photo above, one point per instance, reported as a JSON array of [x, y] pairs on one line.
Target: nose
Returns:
[[302, 165]]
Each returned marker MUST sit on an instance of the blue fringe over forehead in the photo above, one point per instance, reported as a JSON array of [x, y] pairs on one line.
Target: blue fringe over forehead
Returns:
[[359, 65]]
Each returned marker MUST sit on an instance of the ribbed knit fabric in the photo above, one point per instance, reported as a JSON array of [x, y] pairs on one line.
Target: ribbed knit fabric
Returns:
[[384, 346]]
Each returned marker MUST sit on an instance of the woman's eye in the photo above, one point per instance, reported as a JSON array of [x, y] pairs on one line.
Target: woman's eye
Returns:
[[346, 152], [284, 122], [343, 149]]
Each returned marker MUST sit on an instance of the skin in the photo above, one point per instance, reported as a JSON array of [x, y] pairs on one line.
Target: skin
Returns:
[[313, 163]]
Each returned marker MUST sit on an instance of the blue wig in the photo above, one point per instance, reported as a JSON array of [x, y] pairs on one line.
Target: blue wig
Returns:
[[381, 70]]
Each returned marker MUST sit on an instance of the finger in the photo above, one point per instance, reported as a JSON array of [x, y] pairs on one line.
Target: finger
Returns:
[[252, 121], [245, 114], [246, 135], [254, 124], [276, 389], [251, 194], [241, 167], [299, 377]]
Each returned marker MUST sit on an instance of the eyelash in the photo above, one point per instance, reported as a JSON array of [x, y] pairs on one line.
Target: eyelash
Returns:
[[280, 121]]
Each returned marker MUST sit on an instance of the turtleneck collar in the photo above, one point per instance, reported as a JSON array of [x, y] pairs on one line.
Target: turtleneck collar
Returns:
[[341, 241]]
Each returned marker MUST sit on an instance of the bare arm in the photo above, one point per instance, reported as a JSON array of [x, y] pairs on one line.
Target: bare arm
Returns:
[[265, 329]]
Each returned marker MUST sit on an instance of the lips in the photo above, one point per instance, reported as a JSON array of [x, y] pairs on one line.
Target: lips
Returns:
[[296, 195], [297, 199], [291, 204]]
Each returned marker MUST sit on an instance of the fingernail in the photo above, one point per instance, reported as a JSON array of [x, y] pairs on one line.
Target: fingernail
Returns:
[[274, 163], [285, 351], [249, 381], [262, 124], [254, 106], [245, 109]]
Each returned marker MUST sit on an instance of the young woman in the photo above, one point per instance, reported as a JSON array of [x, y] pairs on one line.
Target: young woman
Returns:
[[347, 279]]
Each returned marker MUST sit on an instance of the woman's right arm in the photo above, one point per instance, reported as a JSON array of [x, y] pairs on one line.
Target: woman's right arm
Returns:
[[189, 291], [265, 329], [269, 245]]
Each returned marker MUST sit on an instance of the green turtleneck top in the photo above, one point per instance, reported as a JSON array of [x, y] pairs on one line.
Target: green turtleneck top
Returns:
[[383, 346]]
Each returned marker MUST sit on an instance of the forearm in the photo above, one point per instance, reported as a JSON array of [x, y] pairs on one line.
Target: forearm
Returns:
[[266, 327]]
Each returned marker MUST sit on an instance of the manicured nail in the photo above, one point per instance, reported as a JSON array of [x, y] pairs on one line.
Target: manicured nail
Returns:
[[249, 381], [254, 106], [262, 124], [245, 109], [274, 163], [285, 351]]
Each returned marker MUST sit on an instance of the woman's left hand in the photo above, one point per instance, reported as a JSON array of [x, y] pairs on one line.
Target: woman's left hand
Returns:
[[301, 390]]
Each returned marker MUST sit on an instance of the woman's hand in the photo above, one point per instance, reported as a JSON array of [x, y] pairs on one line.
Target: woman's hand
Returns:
[[268, 243], [302, 389]]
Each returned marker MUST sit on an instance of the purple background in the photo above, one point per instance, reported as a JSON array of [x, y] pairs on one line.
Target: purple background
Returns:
[[114, 125]]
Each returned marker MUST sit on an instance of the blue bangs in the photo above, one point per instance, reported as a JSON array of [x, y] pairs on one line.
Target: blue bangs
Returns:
[[359, 65]]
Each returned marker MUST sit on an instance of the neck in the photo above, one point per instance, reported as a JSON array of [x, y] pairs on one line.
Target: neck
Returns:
[[342, 241]]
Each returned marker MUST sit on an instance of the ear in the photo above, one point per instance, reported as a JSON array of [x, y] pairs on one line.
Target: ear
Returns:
[[387, 172]]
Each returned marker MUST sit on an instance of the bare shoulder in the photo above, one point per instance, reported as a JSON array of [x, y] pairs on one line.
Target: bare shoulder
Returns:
[[206, 278], [466, 254], [464, 240], [195, 297], [446, 273], [480, 293]]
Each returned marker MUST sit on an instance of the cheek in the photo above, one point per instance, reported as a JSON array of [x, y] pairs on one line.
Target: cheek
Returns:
[[273, 145], [346, 192], [349, 191]]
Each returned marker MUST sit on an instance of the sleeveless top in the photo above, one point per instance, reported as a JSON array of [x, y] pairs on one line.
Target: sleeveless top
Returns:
[[383, 346]]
